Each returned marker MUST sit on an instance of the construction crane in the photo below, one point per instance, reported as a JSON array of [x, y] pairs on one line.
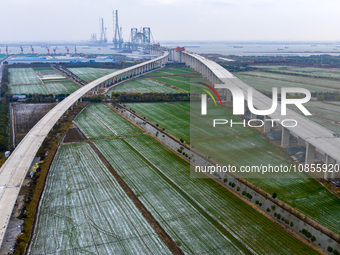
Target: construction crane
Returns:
[[6, 50], [21, 49], [75, 50], [48, 51], [54, 50], [67, 50], [32, 50]]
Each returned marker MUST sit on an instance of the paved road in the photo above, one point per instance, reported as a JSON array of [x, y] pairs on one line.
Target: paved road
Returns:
[[13, 172]]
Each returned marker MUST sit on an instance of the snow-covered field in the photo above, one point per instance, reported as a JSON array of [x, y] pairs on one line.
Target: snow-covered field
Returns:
[[85, 211], [179, 218], [100, 121]]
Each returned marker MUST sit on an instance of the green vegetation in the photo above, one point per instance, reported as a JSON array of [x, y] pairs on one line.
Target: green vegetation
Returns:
[[142, 85], [221, 205], [22, 76], [171, 71], [56, 88], [243, 146], [100, 121], [3, 126], [149, 97], [28, 89], [26, 81], [177, 124], [89, 74], [265, 82], [63, 85], [182, 221]]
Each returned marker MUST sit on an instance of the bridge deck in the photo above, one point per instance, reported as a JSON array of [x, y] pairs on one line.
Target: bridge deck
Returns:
[[320, 137]]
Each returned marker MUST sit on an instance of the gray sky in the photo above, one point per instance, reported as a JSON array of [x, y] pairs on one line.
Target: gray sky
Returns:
[[49, 20]]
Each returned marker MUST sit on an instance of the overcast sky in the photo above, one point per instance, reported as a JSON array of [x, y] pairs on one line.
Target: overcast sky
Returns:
[[232, 20]]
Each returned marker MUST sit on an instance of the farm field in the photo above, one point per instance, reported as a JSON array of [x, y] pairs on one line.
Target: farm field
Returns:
[[172, 71], [22, 76], [85, 211], [89, 74], [56, 88], [26, 81], [246, 147], [26, 116], [142, 161], [142, 85], [181, 78], [99, 121], [306, 71], [266, 81], [63, 84], [158, 113], [325, 113], [28, 89], [184, 223], [47, 72], [183, 120], [190, 87]]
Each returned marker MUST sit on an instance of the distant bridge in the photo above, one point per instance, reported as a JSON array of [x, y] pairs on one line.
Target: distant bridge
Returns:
[[14, 170]]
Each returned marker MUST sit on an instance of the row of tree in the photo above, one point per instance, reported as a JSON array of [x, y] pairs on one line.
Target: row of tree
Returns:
[[149, 97], [314, 60], [3, 125]]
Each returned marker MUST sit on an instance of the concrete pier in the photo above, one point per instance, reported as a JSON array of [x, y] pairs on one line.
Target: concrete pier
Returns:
[[285, 137]]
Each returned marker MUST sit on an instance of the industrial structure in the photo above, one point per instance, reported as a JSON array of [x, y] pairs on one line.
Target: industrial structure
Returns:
[[117, 31], [103, 39]]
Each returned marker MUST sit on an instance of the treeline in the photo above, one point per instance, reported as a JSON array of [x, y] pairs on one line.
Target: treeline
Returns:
[[321, 96], [3, 126], [33, 65], [175, 65], [38, 98], [149, 97], [108, 65], [4, 119], [236, 66], [5, 75], [314, 60]]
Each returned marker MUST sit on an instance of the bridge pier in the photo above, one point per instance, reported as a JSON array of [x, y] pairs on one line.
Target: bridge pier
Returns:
[[310, 153], [285, 137], [267, 125], [329, 161]]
